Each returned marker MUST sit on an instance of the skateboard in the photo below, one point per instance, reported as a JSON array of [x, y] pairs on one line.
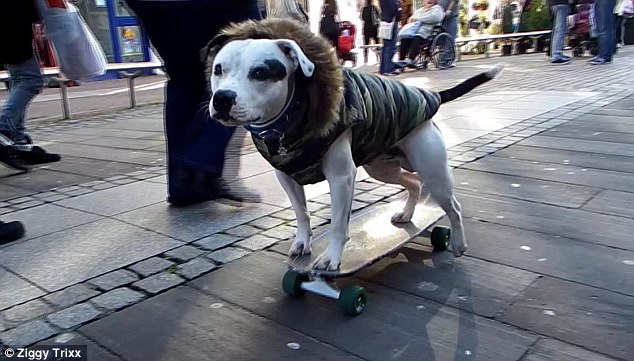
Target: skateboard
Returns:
[[372, 237]]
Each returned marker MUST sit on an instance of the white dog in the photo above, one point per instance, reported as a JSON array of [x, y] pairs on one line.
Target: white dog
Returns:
[[313, 120]]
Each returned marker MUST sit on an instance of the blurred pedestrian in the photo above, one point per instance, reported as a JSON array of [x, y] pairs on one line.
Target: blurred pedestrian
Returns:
[[179, 30], [604, 16], [16, 147], [371, 18], [390, 13], [288, 9], [623, 10], [559, 11], [329, 24]]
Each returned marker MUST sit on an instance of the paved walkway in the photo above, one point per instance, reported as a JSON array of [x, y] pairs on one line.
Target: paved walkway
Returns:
[[544, 162]]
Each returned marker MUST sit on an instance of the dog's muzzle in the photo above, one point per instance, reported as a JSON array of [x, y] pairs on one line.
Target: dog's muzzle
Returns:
[[224, 100]]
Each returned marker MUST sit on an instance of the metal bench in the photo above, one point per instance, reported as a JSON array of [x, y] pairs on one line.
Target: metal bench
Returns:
[[130, 71]]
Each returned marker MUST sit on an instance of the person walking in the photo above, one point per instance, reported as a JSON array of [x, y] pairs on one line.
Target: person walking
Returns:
[[604, 16], [179, 30], [390, 13], [16, 147], [329, 24], [559, 11], [624, 9], [371, 18]]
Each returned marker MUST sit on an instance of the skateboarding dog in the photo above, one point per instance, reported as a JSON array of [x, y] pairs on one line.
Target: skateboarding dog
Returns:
[[312, 120]]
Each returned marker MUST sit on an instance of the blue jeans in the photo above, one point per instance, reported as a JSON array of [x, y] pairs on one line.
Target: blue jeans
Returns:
[[388, 51], [451, 25], [26, 83], [604, 15], [179, 30], [560, 13]]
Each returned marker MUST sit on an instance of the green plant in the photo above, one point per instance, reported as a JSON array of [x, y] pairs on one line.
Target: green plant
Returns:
[[462, 17], [536, 18]]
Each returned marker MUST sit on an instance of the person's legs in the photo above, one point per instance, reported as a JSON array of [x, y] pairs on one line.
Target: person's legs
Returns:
[[560, 13], [619, 28], [605, 30], [195, 144], [366, 42], [403, 49], [387, 53], [414, 48], [451, 25], [26, 83]]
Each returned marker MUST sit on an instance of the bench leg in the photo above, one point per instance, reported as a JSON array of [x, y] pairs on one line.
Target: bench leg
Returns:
[[63, 91], [131, 92]]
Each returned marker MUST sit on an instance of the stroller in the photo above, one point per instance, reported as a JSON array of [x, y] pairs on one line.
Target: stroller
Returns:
[[581, 30], [345, 44]]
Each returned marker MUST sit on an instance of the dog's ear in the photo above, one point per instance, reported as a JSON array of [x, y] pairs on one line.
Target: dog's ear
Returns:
[[213, 46], [295, 53]]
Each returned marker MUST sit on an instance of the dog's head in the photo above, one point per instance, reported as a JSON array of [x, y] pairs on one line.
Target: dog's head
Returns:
[[252, 81], [254, 67]]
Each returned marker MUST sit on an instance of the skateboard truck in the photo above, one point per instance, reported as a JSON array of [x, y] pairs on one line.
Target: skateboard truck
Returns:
[[352, 299]]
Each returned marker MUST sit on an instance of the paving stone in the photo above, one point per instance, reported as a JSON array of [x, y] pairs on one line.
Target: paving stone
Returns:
[[103, 186], [366, 186], [195, 268], [117, 299], [151, 266], [114, 279], [197, 331], [83, 252], [578, 314], [243, 231], [21, 291], [266, 222], [95, 352], [54, 198], [71, 295], [73, 316], [314, 206], [158, 282], [216, 241], [588, 146], [28, 204], [184, 253], [27, 334], [257, 242], [280, 232], [287, 214], [227, 255], [548, 349], [27, 311]]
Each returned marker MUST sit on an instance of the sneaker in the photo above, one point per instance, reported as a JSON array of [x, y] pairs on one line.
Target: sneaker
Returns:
[[37, 155], [599, 61], [210, 190], [9, 157], [11, 231], [561, 60]]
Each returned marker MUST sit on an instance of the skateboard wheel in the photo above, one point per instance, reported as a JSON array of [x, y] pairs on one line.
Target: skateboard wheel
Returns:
[[352, 300], [440, 237], [292, 283]]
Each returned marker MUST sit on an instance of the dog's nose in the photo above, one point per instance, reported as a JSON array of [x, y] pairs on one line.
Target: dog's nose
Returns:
[[224, 100]]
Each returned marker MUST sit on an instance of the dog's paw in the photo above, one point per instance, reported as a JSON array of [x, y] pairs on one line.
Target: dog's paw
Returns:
[[402, 217], [458, 249], [327, 262], [299, 247]]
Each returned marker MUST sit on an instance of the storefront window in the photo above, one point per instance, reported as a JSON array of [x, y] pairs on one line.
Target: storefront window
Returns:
[[95, 13], [123, 9]]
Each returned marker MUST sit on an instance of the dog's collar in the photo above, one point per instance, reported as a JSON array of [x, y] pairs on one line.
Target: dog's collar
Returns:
[[276, 127]]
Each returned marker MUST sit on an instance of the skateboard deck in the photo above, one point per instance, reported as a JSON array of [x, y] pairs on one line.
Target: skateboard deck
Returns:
[[372, 237]]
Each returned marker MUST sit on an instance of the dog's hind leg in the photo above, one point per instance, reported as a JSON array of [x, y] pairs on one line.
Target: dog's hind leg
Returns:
[[426, 152], [295, 192], [390, 171], [340, 171]]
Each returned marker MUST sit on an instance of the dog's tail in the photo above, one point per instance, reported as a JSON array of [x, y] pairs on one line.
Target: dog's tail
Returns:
[[470, 84]]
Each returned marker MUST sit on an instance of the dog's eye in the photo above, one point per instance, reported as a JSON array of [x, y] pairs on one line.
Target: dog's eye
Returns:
[[218, 70], [260, 73]]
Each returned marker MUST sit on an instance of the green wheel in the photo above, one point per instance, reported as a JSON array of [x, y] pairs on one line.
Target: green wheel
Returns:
[[440, 237], [352, 300], [292, 283]]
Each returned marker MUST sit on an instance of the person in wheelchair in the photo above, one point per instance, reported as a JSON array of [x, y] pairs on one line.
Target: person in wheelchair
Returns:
[[418, 32]]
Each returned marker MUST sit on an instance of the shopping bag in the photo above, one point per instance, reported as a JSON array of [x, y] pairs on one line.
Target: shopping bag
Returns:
[[77, 51], [385, 30]]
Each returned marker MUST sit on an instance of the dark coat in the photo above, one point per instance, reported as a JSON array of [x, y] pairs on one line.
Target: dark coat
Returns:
[[16, 30], [389, 10]]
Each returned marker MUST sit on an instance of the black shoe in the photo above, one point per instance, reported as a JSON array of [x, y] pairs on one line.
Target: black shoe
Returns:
[[560, 60], [11, 231], [9, 157], [37, 155], [212, 189]]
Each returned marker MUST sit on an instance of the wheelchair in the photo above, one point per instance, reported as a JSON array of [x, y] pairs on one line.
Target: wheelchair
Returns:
[[439, 49]]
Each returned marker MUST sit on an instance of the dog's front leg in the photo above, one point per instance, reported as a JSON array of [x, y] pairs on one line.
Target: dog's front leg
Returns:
[[340, 171], [295, 192]]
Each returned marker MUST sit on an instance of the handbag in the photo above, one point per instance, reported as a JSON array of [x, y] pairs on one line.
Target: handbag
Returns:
[[77, 51], [385, 29]]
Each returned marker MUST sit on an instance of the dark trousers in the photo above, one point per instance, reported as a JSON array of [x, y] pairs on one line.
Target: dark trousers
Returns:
[[369, 33], [410, 47], [179, 30]]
